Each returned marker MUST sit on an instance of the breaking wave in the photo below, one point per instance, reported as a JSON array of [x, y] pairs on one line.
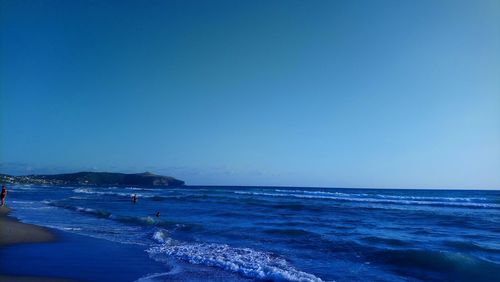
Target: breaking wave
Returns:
[[375, 200], [245, 261], [142, 221], [91, 191]]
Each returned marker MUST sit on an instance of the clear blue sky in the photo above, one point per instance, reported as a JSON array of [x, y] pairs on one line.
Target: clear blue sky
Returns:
[[306, 93]]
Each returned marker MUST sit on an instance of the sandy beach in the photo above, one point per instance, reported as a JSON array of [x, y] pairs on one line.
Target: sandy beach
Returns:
[[36, 254], [14, 232]]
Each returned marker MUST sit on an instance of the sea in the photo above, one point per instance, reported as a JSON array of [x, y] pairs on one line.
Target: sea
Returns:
[[281, 233]]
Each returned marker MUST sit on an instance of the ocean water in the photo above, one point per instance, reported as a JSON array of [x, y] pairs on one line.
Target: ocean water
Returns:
[[284, 234]]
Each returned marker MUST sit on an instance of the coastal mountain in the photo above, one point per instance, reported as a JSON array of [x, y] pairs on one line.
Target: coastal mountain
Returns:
[[145, 179]]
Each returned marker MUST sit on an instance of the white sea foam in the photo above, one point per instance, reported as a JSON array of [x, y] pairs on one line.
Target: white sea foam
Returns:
[[64, 228], [39, 208], [71, 228], [376, 200], [246, 261], [95, 212], [91, 191], [22, 202], [78, 198], [451, 199], [85, 209], [151, 277], [29, 205], [317, 192], [161, 237], [140, 189], [148, 220], [402, 197], [23, 188]]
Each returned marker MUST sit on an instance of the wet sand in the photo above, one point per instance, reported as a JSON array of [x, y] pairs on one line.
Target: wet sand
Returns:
[[53, 255], [14, 232]]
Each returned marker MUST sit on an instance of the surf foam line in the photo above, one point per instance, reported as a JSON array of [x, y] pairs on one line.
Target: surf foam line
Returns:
[[245, 261], [128, 220], [451, 199], [91, 191], [374, 200], [151, 277], [112, 193]]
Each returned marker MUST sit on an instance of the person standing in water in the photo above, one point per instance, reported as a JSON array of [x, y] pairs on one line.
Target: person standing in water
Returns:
[[3, 195], [134, 198]]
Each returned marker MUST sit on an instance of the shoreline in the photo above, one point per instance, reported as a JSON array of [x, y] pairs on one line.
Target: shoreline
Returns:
[[13, 232], [68, 257]]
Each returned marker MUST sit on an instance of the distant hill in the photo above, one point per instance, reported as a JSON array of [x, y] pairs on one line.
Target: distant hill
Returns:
[[145, 179]]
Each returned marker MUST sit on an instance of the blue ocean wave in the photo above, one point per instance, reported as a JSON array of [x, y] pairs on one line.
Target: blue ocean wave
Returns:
[[245, 261], [465, 204]]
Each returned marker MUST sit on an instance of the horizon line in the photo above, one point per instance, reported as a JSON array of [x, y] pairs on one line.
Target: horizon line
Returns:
[[284, 186]]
